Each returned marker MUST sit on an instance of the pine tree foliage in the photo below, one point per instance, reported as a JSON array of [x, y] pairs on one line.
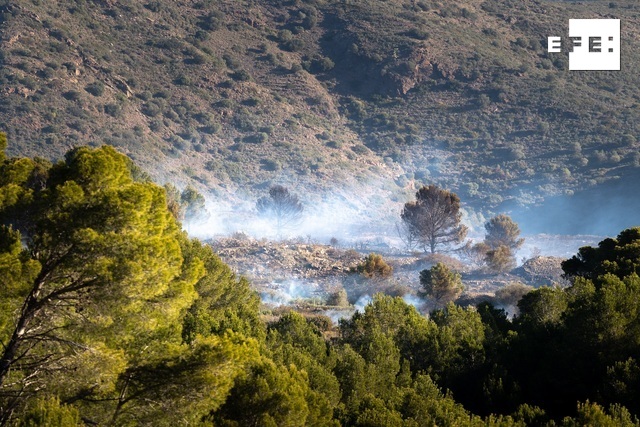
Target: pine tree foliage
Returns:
[[441, 284], [503, 231], [95, 288], [281, 207], [434, 218], [501, 259], [619, 256], [111, 315], [374, 266], [503, 241]]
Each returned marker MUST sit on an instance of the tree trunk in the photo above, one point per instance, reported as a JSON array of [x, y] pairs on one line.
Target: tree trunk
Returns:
[[29, 309]]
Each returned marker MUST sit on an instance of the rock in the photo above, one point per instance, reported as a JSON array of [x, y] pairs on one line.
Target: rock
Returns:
[[542, 271]]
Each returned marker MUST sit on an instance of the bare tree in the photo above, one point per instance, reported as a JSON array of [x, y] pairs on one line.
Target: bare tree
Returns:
[[407, 235], [434, 218], [474, 253], [281, 207]]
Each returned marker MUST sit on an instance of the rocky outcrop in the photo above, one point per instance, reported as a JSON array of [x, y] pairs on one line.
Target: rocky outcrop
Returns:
[[542, 271]]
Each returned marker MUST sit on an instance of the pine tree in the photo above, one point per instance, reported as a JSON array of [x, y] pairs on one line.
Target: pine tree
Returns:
[[95, 285], [503, 231], [434, 218], [440, 284], [281, 207]]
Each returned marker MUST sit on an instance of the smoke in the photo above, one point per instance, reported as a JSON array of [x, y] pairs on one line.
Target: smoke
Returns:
[[602, 210], [563, 246], [216, 223], [510, 310], [345, 215], [416, 302], [337, 315], [369, 211], [364, 216], [274, 298], [362, 302], [287, 292]]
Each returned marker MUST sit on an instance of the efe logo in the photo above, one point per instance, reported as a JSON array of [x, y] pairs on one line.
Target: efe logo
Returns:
[[595, 44]]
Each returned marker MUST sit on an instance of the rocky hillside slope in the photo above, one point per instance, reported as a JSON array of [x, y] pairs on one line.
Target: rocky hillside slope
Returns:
[[373, 96]]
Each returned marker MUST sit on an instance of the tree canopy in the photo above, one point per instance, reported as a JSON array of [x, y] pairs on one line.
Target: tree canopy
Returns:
[[281, 207], [96, 281], [434, 218], [502, 241], [440, 284], [503, 231], [500, 259], [374, 266], [619, 256], [111, 315]]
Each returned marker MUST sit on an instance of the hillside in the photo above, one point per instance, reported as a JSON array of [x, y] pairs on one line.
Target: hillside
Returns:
[[362, 97]]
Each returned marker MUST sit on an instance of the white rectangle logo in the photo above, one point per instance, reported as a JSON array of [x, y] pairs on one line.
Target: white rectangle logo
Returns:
[[596, 44]]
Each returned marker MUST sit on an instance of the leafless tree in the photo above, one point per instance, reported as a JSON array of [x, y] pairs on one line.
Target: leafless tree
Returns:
[[407, 234]]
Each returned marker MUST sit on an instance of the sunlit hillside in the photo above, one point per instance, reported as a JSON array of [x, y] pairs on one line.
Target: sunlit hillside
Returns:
[[368, 99]]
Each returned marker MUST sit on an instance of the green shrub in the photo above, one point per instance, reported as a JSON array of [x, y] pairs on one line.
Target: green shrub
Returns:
[[418, 34], [441, 284], [271, 165], [241, 76], [96, 88], [151, 109], [322, 65], [182, 80], [294, 45], [72, 95], [212, 22], [338, 298]]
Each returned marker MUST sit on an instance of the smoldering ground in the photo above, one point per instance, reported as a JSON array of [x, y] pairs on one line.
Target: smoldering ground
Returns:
[[351, 219]]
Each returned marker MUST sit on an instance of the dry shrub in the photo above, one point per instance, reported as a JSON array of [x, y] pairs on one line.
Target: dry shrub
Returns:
[[338, 298], [374, 266]]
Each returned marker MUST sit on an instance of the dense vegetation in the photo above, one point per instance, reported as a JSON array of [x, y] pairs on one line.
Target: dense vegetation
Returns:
[[246, 94], [113, 316]]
